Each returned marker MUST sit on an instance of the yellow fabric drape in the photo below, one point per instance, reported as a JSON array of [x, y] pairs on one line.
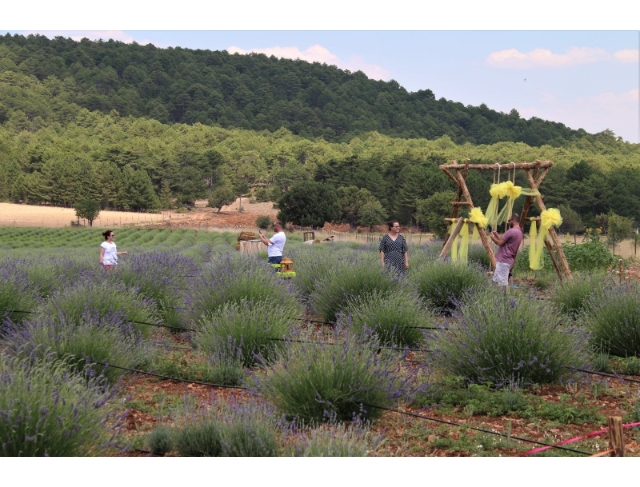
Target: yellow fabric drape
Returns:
[[463, 252], [497, 192], [512, 191], [535, 261], [460, 247], [550, 217]]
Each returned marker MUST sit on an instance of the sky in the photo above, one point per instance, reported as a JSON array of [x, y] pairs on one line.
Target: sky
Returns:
[[583, 78]]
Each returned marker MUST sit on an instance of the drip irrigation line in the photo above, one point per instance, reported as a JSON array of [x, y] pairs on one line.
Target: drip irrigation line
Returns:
[[17, 311], [170, 378], [444, 421], [340, 343], [604, 374], [162, 326]]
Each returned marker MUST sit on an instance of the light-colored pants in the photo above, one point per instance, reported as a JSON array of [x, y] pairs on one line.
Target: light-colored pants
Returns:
[[501, 274]]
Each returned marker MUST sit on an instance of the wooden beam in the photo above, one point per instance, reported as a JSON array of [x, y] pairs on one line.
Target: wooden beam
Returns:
[[449, 242], [494, 167], [616, 438], [451, 177], [553, 258], [552, 232]]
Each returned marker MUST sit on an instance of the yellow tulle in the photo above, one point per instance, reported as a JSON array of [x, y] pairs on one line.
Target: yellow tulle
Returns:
[[476, 216], [454, 248], [497, 192], [535, 260], [463, 252], [548, 218], [513, 192]]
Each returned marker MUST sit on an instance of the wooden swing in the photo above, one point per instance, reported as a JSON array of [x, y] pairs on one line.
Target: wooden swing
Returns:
[[463, 198]]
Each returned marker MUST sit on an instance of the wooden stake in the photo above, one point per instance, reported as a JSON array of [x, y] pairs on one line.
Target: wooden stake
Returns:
[[553, 258], [616, 439], [454, 234]]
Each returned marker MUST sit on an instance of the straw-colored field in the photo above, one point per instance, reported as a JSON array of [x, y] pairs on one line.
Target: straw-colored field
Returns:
[[53, 216]]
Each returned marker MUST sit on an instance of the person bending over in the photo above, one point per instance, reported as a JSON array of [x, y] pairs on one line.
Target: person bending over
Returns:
[[275, 244]]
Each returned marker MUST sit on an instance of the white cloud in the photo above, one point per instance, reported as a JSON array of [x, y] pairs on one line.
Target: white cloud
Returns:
[[616, 111], [544, 58], [94, 35], [627, 55], [318, 53]]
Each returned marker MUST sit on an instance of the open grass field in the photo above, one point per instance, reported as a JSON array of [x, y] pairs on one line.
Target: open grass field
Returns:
[[363, 363]]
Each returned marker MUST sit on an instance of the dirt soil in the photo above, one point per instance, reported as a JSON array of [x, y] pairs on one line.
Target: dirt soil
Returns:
[[229, 216]]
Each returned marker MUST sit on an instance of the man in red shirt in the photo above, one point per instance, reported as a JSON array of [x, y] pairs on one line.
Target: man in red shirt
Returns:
[[508, 245]]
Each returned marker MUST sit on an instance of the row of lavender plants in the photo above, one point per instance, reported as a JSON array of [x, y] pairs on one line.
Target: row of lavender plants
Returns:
[[246, 322]]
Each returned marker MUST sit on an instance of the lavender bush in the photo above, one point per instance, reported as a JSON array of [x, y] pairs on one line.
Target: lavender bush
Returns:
[[46, 410], [234, 430], [234, 278], [15, 292], [315, 382], [613, 318], [395, 318], [102, 297], [250, 330], [335, 440], [571, 297], [443, 285], [358, 277], [80, 342], [162, 277], [504, 340]]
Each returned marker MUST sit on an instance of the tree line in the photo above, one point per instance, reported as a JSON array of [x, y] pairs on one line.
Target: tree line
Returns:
[[140, 164], [51, 81]]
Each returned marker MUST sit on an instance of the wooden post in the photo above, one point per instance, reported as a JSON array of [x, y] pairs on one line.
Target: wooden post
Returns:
[[553, 258], [552, 232], [454, 234], [616, 439]]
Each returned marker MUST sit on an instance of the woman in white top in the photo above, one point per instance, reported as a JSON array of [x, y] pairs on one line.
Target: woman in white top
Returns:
[[108, 251]]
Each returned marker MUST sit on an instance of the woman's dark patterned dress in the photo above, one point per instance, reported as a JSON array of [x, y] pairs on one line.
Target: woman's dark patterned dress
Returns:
[[394, 252]]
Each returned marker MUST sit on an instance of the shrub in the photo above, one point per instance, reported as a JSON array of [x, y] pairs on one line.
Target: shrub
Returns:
[[352, 279], [314, 262], [247, 430], [246, 330], [48, 411], [161, 440], [478, 255], [160, 276], [235, 278], [15, 292], [263, 222], [396, 318], [316, 382], [80, 342], [570, 297], [444, 285], [336, 440], [199, 439], [504, 340], [613, 318], [101, 298]]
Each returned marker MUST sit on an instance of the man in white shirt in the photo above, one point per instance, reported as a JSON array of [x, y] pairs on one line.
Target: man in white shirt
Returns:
[[275, 244]]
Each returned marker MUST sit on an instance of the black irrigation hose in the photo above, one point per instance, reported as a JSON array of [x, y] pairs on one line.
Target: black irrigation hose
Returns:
[[399, 349], [170, 378], [17, 311], [444, 421], [604, 374]]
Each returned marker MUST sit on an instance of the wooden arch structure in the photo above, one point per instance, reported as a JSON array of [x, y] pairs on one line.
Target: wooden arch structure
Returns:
[[535, 173]]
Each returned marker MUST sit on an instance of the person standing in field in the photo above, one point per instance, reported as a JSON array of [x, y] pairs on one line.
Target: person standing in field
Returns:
[[109, 252], [508, 245], [393, 249], [275, 244]]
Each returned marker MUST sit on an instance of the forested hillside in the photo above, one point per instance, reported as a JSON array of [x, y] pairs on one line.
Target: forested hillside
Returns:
[[176, 85], [70, 131]]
